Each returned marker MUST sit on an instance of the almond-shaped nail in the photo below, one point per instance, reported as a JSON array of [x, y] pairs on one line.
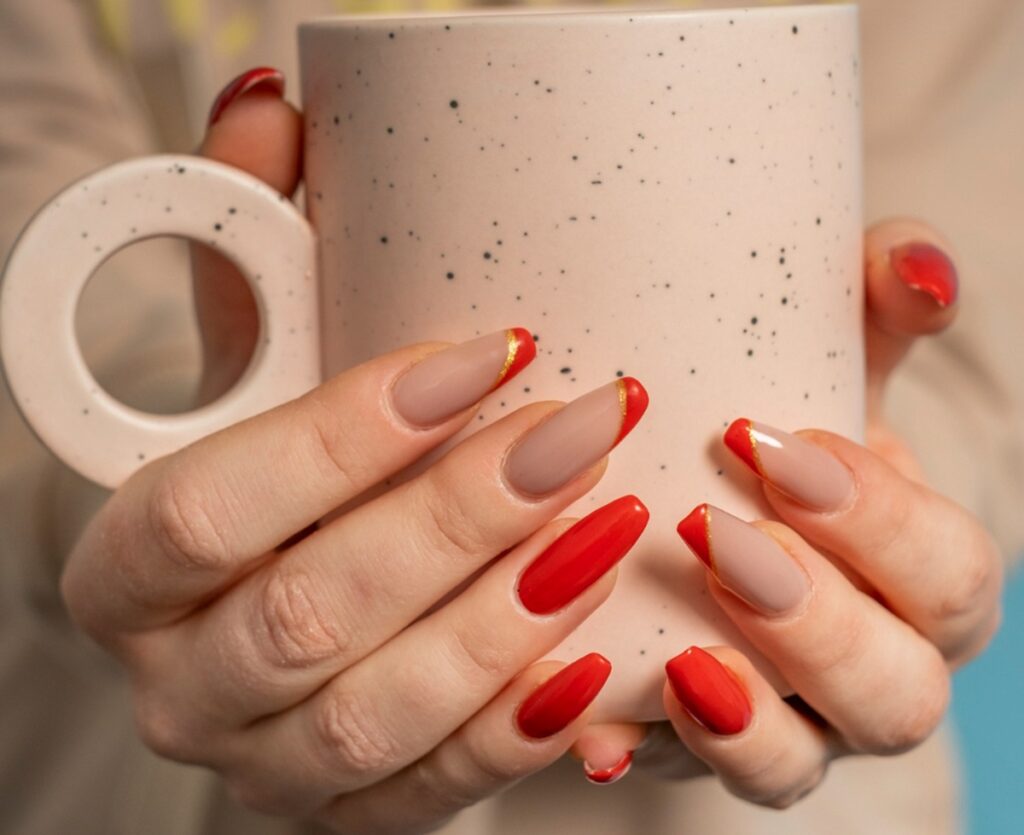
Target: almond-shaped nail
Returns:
[[745, 560], [260, 76], [454, 379], [925, 267], [575, 438], [800, 469], [612, 774], [553, 705], [711, 693], [582, 555]]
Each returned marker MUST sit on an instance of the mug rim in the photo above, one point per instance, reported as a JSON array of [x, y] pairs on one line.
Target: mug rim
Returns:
[[532, 14]]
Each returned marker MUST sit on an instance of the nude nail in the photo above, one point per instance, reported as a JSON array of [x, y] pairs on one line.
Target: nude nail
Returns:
[[449, 381], [745, 560], [800, 469], [575, 438]]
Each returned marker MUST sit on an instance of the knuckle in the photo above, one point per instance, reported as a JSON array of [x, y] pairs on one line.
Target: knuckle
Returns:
[[353, 735], [252, 795], [185, 524], [972, 593], [295, 630], [849, 639], [479, 654], [439, 794], [451, 525], [332, 449], [162, 729]]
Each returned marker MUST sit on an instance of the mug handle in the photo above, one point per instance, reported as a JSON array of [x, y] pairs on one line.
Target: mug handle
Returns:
[[66, 241]]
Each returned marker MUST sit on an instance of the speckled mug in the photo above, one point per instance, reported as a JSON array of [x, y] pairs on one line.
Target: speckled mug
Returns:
[[673, 195]]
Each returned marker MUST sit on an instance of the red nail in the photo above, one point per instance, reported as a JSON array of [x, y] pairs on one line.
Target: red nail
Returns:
[[268, 76], [928, 268], [606, 776], [563, 697], [696, 534], [633, 400], [710, 692], [521, 351], [582, 555], [737, 438]]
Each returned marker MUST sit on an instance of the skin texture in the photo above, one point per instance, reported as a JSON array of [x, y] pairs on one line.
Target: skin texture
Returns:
[[256, 651]]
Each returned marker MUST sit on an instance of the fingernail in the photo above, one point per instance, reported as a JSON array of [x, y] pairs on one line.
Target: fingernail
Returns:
[[926, 267], [563, 697], [745, 560], [607, 776], [576, 437], [581, 555], [454, 379], [800, 469], [711, 693], [267, 76]]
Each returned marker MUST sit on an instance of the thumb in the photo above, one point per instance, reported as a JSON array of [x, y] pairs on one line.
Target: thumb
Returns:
[[254, 129], [606, 749], [911, 290]]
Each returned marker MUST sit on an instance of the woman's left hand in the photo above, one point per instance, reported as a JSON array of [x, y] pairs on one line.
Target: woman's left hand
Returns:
[[871, 593]]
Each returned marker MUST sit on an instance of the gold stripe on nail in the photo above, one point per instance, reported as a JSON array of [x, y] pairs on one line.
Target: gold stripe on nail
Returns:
[[513, 349], [623, 398], [753, 448], [707, 538]]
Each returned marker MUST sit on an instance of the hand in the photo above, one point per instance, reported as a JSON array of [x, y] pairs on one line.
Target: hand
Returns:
[[871, 590], [371, 672]]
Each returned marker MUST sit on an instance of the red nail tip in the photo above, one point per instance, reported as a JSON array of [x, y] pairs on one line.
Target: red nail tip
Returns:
[[606, 776], [559, 700], [927, 268], [522, 350], [737, 438], [694, 531], [582, 555], [273, 79], [634, 403], [709, 691]]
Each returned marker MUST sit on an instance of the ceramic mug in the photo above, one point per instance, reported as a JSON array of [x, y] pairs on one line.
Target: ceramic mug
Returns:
[[670, 195]]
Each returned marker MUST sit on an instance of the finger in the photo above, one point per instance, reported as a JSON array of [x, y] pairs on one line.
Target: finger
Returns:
[[606, 749], [396, 705], [188, 525], [317, 610], [911, 290], [930, 559], [870, 674], [484, 756], [254, 129], [727, 714]]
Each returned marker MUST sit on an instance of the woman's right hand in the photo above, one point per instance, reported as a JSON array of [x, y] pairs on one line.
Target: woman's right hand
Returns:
[[371, 672]]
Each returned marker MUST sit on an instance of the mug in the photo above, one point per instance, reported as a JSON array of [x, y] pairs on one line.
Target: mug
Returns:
[[669, 195]]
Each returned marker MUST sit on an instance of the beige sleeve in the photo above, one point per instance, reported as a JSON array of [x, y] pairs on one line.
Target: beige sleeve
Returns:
[[943, 114]]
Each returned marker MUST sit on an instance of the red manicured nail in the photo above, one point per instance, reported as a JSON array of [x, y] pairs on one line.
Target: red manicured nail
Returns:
[[737, 437], [633, 400], [582, 555], [268, 76], [926, 267], [606, 776], [563, 697], [710, 692], [695, 533], [521, 351]]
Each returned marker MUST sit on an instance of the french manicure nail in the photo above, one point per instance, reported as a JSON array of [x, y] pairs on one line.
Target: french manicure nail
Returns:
[[612, 774], [266, 76], [800, 469], [582, 555], [927, 268], [745, 560], [711, 693], [576, 437], [563, 697], [454, 379]]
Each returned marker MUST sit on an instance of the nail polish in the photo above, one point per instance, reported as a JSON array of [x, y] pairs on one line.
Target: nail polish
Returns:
[[575, 438], [607, 776], [267, 77], [445, 383], [711, 693], [927, 268], [803, 471], [582, 555], [558, 701], [745, 560]]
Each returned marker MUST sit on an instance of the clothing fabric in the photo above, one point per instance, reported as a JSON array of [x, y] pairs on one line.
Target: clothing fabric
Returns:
[[84, 84]]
